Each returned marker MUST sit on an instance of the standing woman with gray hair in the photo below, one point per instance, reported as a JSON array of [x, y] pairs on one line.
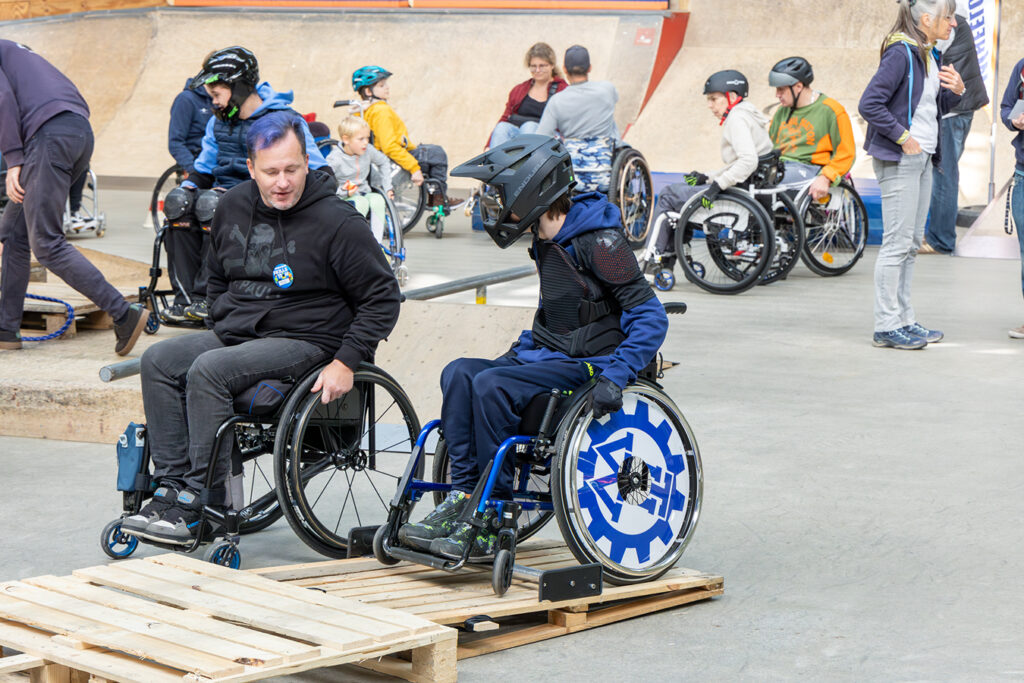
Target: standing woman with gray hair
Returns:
[[903, 105]]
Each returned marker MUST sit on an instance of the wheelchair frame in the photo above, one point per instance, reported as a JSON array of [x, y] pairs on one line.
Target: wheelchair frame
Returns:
[[832, 232]]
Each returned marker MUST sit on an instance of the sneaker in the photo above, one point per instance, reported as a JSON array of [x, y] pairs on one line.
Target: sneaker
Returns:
[[926, 248], [484, 544], [197, 311], [898, 339], [11, 341], [179, 523], [176, 313], [128, 330], [438, 524], [1016, 333], [163, 499], [919, 330], [77, 220]]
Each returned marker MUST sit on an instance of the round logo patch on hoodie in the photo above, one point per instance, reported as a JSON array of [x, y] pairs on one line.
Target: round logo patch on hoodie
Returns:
[[283, 276]]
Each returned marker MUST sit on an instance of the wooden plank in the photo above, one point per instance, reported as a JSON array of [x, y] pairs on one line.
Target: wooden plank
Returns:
[[16, 663], [51, 673], [431, 663], [290, 650], [256, 616]]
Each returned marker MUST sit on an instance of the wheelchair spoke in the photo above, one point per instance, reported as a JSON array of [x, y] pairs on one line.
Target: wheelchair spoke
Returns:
[[375, 489], [348, 494], [323, 489], [355, 505]]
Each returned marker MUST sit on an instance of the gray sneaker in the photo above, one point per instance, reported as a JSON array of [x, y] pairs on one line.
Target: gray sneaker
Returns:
[[179, 524], [438, 524], [484, 541], [162, 500]]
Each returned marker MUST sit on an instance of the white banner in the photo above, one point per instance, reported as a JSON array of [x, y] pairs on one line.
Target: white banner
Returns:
[[983, 20]]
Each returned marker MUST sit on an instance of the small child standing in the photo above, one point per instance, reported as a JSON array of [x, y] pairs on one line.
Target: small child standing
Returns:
[[355, 163]]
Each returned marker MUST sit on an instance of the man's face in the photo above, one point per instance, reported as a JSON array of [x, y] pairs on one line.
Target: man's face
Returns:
[[357, 142], [718, 103], [219, 93], [381, 89], [785, 96], [280, 172]]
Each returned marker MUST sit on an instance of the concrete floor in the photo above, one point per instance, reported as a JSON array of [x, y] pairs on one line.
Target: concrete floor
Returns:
[[863, 505]]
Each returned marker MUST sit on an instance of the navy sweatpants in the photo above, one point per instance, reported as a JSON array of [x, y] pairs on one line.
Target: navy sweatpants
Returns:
[[482, 403]]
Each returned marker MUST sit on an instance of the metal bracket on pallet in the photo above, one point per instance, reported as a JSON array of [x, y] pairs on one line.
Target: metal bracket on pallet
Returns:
[[360, 541], [567, 583]]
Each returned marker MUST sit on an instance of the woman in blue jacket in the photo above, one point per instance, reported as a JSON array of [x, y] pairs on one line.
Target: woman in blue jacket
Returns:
[[903, 105], [1013, 93]]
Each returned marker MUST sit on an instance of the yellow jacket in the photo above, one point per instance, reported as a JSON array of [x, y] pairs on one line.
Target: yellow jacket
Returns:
[[390, 135]]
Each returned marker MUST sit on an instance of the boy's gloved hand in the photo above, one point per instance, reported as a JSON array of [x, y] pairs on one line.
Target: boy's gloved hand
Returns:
[[606, 398], [695, 178], [707, 200]]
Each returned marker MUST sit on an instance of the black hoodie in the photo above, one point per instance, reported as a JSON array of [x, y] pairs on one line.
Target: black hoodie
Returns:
[[312, 272]]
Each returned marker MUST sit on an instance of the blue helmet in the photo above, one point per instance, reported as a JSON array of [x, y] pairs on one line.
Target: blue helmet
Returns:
[[368, 76]]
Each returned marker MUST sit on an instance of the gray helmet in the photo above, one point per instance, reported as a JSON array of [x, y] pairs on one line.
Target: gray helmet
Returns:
[[790, 71], [727, 81]]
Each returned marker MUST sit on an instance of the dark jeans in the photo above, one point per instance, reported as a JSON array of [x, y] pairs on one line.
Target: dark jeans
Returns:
[[941, 230], [188, 385], [434, 163], [482, 404], [75, 193], [672, 198], [58, 153]]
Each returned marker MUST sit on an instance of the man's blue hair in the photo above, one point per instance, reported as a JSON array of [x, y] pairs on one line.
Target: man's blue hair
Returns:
[[269, 129]]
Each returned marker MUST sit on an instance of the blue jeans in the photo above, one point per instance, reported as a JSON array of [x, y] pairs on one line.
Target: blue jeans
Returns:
[[1018, 216], [941, 231], [505, 131]]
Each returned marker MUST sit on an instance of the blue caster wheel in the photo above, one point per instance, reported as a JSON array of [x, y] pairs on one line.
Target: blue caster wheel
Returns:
[[152, 323], [664, 280], [116, 543], [224, 553], [698, 269]]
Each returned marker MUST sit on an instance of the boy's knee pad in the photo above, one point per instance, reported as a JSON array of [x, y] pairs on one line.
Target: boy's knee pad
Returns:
[[178, 202]]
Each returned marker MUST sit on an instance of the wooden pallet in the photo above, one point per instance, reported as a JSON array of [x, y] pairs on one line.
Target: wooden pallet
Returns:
[[174, 618], [50, 315], [465, 597]]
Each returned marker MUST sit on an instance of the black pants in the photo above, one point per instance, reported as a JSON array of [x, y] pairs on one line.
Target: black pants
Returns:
[[57, 154], [186, 255], [434, 163]]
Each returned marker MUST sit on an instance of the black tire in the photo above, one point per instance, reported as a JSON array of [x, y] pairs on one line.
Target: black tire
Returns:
[[369, 431], [738, 246], [378, 547], [168, 180], [410, 200], [395, 243], [606, 507], [633, 192], [117, 544], [836, 233], [530, 521], [789, 237], [501, 572], [225, 554], [261, 507]]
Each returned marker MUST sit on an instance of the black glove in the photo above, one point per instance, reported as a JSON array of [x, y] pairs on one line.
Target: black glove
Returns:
[[606, 398], [707, 200], [695, 178]]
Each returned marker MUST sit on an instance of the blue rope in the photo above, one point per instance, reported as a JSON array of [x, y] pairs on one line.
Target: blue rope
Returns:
[[64, 327]]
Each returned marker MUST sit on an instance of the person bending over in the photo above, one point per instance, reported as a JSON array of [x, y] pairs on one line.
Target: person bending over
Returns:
[[597, 316], [296, 280]]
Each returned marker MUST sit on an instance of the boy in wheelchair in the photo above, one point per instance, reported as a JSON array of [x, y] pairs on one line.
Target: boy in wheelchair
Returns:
[[597, 319], [355, 162], [295, 280], [744, 140]]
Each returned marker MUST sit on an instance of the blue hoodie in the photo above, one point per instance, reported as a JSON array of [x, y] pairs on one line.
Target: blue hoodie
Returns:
[[228, 171], [1010, 96], [190, 113], [645, 325]]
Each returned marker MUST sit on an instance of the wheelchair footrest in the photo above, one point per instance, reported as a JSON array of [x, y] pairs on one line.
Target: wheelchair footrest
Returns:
[[360, 540], [427, 559], [567, 583]]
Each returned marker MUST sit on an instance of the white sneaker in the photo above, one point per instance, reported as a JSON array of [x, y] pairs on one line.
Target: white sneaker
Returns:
[[1017, 333]]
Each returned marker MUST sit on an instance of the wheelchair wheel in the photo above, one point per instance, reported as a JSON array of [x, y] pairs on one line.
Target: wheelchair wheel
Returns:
[[337, 464], [261, 507], [538, 484], [410, 201], [734, 246], [836, 231], [628, 488], [789, 237], [633, 192], [168, 180], [394, 242]]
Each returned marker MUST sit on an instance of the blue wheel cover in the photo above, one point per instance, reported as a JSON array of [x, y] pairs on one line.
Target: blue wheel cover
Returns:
[[639, 534]]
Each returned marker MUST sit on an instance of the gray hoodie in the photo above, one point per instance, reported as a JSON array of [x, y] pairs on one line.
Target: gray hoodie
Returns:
[[744, 139], [358, 170]]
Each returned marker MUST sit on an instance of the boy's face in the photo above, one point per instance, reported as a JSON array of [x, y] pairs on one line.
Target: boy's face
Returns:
[[381, 90], [357, 142], [718, 103], [219, 93]]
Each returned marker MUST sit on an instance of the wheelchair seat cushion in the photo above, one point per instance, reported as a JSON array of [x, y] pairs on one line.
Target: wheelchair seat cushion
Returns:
[[592, 162], [533, 414], [262, 398]]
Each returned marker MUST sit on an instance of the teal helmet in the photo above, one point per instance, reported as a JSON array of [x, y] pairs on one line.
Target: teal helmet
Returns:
[[368, 76]]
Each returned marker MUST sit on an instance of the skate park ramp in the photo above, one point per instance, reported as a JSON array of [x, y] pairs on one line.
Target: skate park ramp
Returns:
[[452, 71]]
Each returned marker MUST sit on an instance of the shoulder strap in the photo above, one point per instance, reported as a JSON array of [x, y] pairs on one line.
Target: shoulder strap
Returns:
[[552, 88], [910, 88]]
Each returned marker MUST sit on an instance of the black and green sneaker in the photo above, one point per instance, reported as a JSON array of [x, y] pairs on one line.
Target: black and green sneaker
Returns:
[[484, 546], [438, 524]]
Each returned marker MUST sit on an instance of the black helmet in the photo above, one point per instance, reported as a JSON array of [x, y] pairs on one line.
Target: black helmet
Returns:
[[727, 81], [790, 71], [524, 176], [229, 65]]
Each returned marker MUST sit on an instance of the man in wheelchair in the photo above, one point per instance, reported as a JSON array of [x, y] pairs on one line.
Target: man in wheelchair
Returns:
[[296, 279], [597, 317]]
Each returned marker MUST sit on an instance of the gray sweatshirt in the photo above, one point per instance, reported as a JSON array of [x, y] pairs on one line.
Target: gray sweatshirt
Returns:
[[32, 91], [583, 110], [373, 167]]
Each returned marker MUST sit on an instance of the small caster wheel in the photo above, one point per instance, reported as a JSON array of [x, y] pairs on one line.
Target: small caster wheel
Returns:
[[439, 231], [224, 553], [501, 573], [117, 544], [402, 275], [152, 323], [378, 546], [431, 223], [698, 268], [664, 280]]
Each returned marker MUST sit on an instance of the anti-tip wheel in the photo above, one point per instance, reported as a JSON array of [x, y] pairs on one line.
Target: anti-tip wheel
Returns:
[[116, 543], [152, 323], [378, 546], [224, 553], [501, 572]]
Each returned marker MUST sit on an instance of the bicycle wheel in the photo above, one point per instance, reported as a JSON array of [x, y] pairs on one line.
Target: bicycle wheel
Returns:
[[789, 237], [337, 464], [410, 200], [837, 230], [633, 192], [727, 248], [168, 180]]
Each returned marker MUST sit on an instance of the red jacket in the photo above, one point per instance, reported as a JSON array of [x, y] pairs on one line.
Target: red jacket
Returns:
[[518, 94]]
